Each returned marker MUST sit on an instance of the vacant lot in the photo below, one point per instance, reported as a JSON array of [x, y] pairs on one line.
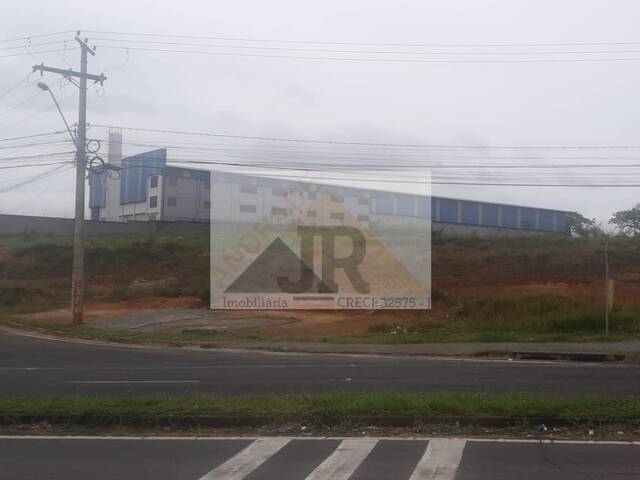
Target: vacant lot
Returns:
[[544, 288]]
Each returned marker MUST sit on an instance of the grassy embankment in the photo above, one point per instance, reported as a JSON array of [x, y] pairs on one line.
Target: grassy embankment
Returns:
[[485, 289], [318, 409]]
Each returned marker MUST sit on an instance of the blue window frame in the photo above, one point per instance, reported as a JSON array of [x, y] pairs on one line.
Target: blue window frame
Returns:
[[448, 210], [490, 214], [528, 218], [470, 213], [509, 217]]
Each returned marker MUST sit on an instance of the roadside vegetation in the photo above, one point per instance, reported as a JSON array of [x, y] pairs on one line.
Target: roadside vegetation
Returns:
[[546, 288], [383, 408]]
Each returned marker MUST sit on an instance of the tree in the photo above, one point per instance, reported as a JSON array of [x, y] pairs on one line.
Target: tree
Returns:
[[627, 221], [581, 226]]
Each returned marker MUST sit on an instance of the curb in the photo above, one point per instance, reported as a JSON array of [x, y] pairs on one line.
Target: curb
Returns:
[[600, 357], [97, 420]]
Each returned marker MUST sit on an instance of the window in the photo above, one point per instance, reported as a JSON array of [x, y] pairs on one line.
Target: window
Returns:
[[153, 182], [153, 201], [312, 195], [384, 205], [279, 192], [173, 181], [337, 216], [470, 213], [248, 189], [207, 185], [279, 211], [406, 205], [337, 198], [363, 201], [363, 218], [172, 202], [206, 205], [152, 217], [248, 208], [312, 213]]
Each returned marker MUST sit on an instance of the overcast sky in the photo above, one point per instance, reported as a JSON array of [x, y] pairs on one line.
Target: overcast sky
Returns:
[[512, 104]]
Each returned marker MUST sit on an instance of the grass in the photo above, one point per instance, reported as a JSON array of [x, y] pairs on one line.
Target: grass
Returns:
[[338, 408], [377, 334], [473, 276], [530, 317]]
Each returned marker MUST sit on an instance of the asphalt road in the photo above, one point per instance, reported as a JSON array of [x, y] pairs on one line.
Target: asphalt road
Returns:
[[277, 458], [38, 366]]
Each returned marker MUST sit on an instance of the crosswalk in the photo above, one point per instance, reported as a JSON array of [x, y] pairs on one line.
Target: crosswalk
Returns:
[[347, 459], [314, 458]]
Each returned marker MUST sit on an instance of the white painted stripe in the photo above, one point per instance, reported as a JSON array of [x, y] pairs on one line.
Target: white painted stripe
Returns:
[[341, 464], [245, 462], [98, 382], [440, 460]]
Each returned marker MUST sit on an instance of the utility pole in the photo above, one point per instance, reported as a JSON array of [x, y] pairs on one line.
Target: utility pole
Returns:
[[606, 287], [77, 279]]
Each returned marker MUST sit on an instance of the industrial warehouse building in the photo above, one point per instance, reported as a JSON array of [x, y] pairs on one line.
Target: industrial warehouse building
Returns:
[[149, 189]]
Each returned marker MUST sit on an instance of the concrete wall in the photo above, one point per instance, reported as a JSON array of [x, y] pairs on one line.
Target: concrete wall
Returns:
[[20, 224], [479, 230]]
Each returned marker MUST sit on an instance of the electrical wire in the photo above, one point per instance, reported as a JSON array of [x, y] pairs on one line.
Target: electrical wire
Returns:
[[39, 35], [391, 159], [12, 88], [377, 44], [373, 144], [377, 52], [39, 155], [34, 179], [18, 105], [34, 135], [31, 165], [372, 60], [18, 47], [50, 107], [33, 144], [38, 53]]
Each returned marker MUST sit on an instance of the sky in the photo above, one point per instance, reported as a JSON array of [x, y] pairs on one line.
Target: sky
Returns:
[[476, 104]]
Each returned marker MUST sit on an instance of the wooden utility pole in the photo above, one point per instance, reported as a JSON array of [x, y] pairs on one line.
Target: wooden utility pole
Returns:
[[77, 279]]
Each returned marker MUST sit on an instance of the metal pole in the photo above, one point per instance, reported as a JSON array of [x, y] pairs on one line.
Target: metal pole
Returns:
[[606, 287], [77, 275], [77, 278]]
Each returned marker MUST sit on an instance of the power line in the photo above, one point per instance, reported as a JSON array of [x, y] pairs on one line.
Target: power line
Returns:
[[12, 88], [382, 52], [488, 178], [39, 155], [19, 122], [37, 53], [34, 179], [33, 144], [389, 159], [373, 144], [31, 165], [373, 60], [18, 105], [39, 35], [17, 47], [34, 135], [376, 44]]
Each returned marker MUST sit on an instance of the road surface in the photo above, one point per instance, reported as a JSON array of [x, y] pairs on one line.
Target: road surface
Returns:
[[40, 366], [277, 458]]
